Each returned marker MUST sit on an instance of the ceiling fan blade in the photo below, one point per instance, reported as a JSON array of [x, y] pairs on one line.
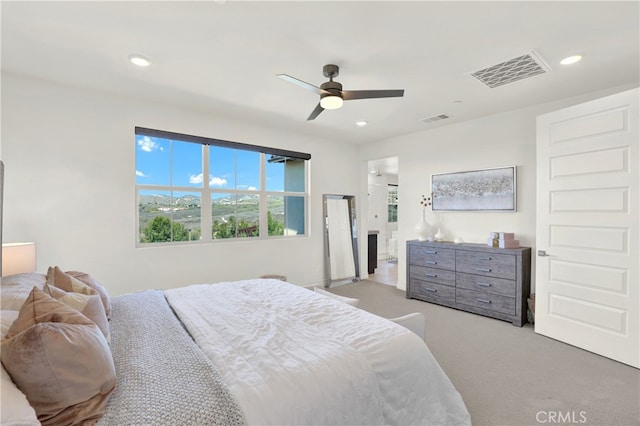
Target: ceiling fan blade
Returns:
[[303, 84], [316, 112], [348, 95]]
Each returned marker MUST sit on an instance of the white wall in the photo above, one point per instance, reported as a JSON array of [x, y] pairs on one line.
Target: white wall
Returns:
[[499, 140], [69, 186]]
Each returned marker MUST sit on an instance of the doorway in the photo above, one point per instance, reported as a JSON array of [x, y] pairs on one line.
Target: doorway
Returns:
[[382, 217]]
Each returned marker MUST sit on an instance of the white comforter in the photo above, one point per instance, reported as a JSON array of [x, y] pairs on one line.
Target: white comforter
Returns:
[[294, 357]]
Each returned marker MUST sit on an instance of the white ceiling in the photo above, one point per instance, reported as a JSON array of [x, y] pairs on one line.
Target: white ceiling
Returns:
[[223, 57]]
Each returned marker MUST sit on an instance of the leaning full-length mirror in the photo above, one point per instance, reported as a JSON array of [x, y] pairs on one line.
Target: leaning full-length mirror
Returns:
[[341, 239]]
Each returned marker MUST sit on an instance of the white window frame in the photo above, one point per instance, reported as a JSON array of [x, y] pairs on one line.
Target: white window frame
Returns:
[[206, 192]]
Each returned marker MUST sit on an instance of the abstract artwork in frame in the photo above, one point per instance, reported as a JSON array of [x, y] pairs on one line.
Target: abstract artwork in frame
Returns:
[[475, 190]]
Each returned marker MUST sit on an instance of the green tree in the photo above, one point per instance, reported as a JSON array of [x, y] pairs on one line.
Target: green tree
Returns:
[[161, 229], [224, 229], [231, 228], [275, 226]]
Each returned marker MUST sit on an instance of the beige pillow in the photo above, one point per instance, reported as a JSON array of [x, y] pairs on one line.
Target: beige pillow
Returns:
[[91, 282], [68, 282], [88, 305], [60, 360]]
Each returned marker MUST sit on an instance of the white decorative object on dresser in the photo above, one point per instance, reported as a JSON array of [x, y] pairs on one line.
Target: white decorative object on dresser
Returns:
[[471, 277]]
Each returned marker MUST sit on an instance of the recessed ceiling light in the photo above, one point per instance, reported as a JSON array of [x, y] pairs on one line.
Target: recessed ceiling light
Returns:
[[140, 60], [361, 123], [571, 59]]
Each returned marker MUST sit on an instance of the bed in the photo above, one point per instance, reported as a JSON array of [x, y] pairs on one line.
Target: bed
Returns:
[[259, 352]]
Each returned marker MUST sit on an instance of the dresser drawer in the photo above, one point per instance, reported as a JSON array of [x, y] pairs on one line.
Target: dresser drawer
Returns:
[[438, 276], [487, 264], [432, 292], [436, 257], [491, 302], [486, 284]]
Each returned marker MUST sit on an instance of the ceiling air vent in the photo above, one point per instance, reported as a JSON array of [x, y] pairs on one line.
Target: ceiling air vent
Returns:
[[515, 69], [436, 118]]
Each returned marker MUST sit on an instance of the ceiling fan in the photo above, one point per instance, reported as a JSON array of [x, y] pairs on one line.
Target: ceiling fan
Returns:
[[331, 93]]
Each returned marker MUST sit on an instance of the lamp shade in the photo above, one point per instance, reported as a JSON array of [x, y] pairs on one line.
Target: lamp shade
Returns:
[[331, 102], [18, 258]]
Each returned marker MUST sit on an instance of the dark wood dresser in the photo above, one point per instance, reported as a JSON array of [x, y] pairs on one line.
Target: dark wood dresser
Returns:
[[475, 278]]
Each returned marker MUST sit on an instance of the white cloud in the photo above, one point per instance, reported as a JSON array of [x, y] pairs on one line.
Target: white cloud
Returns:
[[195, 178], [247, 187], [216, 181], [147, 144], [213, 181], [139, 173]]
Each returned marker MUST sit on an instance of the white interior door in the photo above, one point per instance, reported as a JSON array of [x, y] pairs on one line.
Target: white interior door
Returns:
[[587, 269]]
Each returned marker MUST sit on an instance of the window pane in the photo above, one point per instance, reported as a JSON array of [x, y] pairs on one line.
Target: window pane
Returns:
[[285, 215], [235, 216], [284, 174], [186, 212], [153, 161], [247, 170], [275, 215], [154, 210], [165, 216], [187, 164], [248, 216], [222, 167]]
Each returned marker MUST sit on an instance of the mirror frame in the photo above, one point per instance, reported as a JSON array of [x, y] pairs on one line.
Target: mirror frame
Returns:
[[353, 225]]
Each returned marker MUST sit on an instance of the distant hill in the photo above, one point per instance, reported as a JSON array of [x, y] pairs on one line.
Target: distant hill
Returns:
[[192, 200], [186, 209]]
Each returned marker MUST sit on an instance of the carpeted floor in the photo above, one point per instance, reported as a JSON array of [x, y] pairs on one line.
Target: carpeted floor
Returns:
[[512, 376]]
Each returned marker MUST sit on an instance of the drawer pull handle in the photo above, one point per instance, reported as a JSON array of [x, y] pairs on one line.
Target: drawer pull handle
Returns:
[[483, 301], [483, 269], [484, 258], [432, 290], [431, 275], [431, 262], [484, 284], [431, 252]]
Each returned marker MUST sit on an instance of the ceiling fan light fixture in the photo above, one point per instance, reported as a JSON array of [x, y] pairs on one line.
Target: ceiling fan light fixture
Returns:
[[331, 94], [331, 102]]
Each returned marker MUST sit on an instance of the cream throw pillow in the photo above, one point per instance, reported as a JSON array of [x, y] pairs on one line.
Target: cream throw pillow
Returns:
[[88, 305], [60, 360], [91, 282]]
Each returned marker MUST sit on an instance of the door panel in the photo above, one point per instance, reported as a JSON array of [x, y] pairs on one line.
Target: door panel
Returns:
[[587, 287]]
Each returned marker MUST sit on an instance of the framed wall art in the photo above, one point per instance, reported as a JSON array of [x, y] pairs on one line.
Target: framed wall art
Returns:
[[475, 190]]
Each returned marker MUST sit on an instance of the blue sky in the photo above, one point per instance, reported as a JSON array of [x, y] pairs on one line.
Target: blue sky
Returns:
[[228, 168]]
